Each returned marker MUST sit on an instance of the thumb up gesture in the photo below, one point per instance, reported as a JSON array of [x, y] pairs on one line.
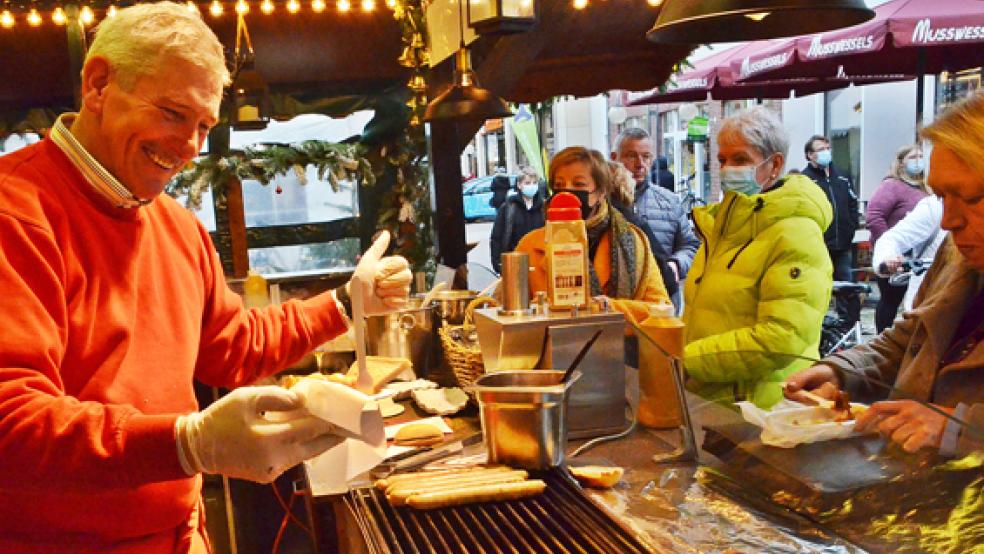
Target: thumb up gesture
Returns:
[[385, 280]]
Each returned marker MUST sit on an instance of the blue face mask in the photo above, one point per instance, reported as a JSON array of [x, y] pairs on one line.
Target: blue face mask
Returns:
[[915, 167], [530, 190], [824, 157], [741, 179]]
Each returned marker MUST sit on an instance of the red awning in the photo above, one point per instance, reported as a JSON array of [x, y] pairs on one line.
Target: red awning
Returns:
[[906, 37], [716, 76]]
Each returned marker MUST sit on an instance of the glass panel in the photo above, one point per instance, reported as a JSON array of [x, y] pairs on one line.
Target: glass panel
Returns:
[[205, 214], [953, 87], [480, 10], [517, 8], [297, 203], [339, 254]]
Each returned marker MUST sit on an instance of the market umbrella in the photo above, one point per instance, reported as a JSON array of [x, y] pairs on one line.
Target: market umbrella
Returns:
[[715, 76], [906, 37]]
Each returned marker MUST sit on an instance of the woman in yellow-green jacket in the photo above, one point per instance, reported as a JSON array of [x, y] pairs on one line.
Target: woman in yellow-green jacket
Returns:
[[760, 283]]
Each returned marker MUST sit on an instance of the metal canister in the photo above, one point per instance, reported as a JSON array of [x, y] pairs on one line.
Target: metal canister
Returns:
[[406, 333], [515, 284]]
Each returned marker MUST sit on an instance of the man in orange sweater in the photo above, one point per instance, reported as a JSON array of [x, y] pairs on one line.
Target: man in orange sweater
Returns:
[[112, 300]]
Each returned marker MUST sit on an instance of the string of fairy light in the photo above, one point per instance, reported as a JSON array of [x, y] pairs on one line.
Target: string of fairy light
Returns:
[[31, 14]]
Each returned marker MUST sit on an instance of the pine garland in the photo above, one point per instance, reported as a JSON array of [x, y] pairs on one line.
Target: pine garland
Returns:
[[335, 163]]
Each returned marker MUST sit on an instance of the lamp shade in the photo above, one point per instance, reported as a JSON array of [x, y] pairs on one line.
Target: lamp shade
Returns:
[[704, 21], [465, 99]]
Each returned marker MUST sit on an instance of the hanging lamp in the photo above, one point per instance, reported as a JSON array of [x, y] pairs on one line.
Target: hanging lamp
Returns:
[[708, 21], [465, 99], [251, 95]]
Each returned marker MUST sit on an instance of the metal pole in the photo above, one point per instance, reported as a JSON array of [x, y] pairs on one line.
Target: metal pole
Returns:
[[920, 89]]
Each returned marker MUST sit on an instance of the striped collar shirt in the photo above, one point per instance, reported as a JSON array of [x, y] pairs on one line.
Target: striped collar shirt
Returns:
[[98, 176]]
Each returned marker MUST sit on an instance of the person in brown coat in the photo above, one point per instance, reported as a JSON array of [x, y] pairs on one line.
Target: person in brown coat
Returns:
[[936, 352]]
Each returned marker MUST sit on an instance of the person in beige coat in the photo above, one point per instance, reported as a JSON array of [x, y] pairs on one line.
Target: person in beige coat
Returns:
[[936, 352]]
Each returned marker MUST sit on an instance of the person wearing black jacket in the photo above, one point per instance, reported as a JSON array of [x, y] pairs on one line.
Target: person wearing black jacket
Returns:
[[518, 215], [840, 235], [661, 176], [500, 190]]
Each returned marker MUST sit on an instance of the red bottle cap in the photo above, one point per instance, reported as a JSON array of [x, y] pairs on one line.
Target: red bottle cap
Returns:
[[564, 206]]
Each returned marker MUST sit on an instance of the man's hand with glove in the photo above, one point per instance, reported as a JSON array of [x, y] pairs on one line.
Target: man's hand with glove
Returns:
[[253, 433], [386, 280]]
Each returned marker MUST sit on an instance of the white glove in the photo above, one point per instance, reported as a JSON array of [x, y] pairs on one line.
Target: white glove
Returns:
[[235, 437], [386, 281]]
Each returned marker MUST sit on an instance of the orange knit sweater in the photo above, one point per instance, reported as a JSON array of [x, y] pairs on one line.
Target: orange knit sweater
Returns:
[[106, 317]]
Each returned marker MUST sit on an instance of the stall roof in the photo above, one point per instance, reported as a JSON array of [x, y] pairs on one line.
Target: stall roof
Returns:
[[578, 53]]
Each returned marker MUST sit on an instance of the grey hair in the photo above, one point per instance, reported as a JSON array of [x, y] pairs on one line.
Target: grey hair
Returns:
[[630, 133], [138, 38], [760, 128]]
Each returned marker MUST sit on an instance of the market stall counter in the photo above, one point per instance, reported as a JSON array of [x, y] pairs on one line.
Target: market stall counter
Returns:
[[851, 495]]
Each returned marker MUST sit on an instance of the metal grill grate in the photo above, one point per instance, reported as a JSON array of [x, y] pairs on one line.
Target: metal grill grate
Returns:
[[561, 520]]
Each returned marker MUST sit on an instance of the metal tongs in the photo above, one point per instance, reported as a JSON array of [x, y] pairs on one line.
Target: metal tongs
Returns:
[[419, 457]]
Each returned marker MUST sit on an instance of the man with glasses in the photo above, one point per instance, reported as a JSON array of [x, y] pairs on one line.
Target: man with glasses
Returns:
[[659, 208], [840, 235]]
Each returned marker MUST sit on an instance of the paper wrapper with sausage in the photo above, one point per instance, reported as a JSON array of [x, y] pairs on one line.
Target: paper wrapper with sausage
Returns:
[[788, 423]]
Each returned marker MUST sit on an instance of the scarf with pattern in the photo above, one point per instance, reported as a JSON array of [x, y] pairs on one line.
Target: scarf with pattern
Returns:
[[622, 252]]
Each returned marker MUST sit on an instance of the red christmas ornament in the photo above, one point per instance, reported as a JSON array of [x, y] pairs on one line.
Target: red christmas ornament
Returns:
[[280, 189]]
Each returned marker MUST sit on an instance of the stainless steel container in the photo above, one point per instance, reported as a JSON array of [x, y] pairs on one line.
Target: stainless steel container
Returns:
[[451, 304], [406, 333], [597, 401], [524, 417], [515, 283]]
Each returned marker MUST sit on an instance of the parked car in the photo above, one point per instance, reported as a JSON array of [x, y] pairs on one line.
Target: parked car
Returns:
[[477, 197]]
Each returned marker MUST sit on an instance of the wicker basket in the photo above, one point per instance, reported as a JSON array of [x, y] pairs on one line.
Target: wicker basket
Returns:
[[461, 350]]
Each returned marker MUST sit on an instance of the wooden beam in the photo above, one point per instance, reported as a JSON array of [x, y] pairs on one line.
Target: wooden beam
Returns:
[[76, 50], [237, 227], [505, 64], [449, 209]]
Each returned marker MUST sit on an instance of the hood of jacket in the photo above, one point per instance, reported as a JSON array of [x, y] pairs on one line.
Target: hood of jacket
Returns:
[[740, 217]]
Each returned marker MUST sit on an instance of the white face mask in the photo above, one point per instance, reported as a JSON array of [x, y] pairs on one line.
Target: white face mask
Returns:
[[742, 179]]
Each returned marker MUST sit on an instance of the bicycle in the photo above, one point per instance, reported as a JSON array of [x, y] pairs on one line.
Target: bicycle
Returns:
[[689, 200], [837, 334]]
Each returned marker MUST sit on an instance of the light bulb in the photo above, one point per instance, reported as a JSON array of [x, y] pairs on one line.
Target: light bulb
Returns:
[[6, 19], [111, 10], [267, 7], [391, 4], [86, 16], [216, 8], [192, 7], [344, 5], [580, 4], [318, 6], [34, 18], [58, 16], [293, 6], [242, 7], [368, 5], [654, 3]]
